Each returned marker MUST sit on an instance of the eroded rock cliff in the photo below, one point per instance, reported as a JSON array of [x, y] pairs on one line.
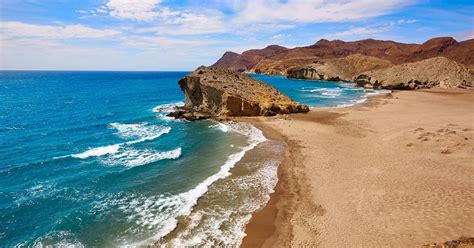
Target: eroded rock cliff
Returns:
[[429, 73], [339, 69], [213, 92]]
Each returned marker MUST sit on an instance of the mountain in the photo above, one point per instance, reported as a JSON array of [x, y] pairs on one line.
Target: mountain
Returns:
[[248, 59], [279, 60]]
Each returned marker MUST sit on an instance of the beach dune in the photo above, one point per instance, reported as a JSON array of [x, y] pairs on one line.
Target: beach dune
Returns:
[[394, 172]]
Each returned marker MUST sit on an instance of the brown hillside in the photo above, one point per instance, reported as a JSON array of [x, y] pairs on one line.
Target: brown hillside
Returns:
[[338, 69], [248, 59], [429, 73], [395, 52]]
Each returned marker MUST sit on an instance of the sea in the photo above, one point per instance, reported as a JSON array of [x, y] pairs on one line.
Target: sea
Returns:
[[90, 159]]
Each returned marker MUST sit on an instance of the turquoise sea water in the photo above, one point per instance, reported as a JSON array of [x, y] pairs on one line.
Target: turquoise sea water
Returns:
[[318, 93], [89, 159]]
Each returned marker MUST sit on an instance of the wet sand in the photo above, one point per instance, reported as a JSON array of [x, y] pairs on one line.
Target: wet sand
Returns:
[[394, 172]]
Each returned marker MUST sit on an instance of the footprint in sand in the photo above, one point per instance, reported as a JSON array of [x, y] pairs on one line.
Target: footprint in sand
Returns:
[[446, 151]]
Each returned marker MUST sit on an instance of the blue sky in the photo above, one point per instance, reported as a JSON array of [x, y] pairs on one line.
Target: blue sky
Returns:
[[181, 35]]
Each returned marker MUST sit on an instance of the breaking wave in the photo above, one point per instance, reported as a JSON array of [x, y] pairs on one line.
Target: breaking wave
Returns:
[[172, 206], [97, 152], [134, 157], [141, 132], [165, 109]]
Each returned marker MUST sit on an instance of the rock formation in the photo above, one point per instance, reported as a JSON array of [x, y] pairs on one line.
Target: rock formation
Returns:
[[435, 72], [248, 59], [213, 92], [339, 69], [278, 61]]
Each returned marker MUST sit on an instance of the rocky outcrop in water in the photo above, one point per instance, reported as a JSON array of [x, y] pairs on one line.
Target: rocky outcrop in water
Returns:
[[340, 69], [435, 72], [213, 92]]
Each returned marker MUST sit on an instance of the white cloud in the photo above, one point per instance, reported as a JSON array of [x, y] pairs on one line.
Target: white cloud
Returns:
[[374, 30], [361, 31], [140, 10], [404, 21], [77, 31], [306, 11], [32, 46], [187, 23], [161, 42]]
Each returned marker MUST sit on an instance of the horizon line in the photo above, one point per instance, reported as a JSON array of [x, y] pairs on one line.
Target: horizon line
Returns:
[[74, 70]]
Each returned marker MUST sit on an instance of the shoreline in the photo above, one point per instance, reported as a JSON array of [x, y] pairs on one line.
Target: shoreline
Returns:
[[263, 224], [280, 222], [264, 221]]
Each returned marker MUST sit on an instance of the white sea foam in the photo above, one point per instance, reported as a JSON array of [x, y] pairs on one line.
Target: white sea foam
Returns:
[[205, 225], [254, 134], [332, 93], [313, 90], [98, 151], [130, 157], [368, 93], [167, 108], [220, 126], [158, 214], [325, 92], [142, 131], [60, 239], [170, 207]]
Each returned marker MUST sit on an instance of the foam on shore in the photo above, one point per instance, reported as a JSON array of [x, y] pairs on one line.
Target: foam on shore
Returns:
[[173, 206]]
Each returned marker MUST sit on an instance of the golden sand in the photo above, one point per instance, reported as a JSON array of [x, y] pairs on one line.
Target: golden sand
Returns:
[[397, 171]]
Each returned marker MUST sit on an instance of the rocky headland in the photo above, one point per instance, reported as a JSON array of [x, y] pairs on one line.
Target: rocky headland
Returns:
[[438, 72], [217, 93]]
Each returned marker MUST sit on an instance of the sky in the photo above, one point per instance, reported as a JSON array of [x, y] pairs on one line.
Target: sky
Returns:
[[172, 35]]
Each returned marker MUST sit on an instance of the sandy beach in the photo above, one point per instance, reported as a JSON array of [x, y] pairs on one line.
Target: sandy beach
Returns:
[[396, 171]]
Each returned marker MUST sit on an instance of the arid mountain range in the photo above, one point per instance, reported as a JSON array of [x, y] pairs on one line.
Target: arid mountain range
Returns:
[[439, 62], [277, 59]]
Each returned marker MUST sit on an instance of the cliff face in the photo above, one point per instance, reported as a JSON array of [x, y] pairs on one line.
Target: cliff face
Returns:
[[248, 59], [213, 92], [397, 53], [435, 72], [339, 69]]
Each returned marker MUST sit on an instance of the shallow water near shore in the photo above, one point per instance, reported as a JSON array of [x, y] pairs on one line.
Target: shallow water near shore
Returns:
[[319, 93], [90, 159]]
